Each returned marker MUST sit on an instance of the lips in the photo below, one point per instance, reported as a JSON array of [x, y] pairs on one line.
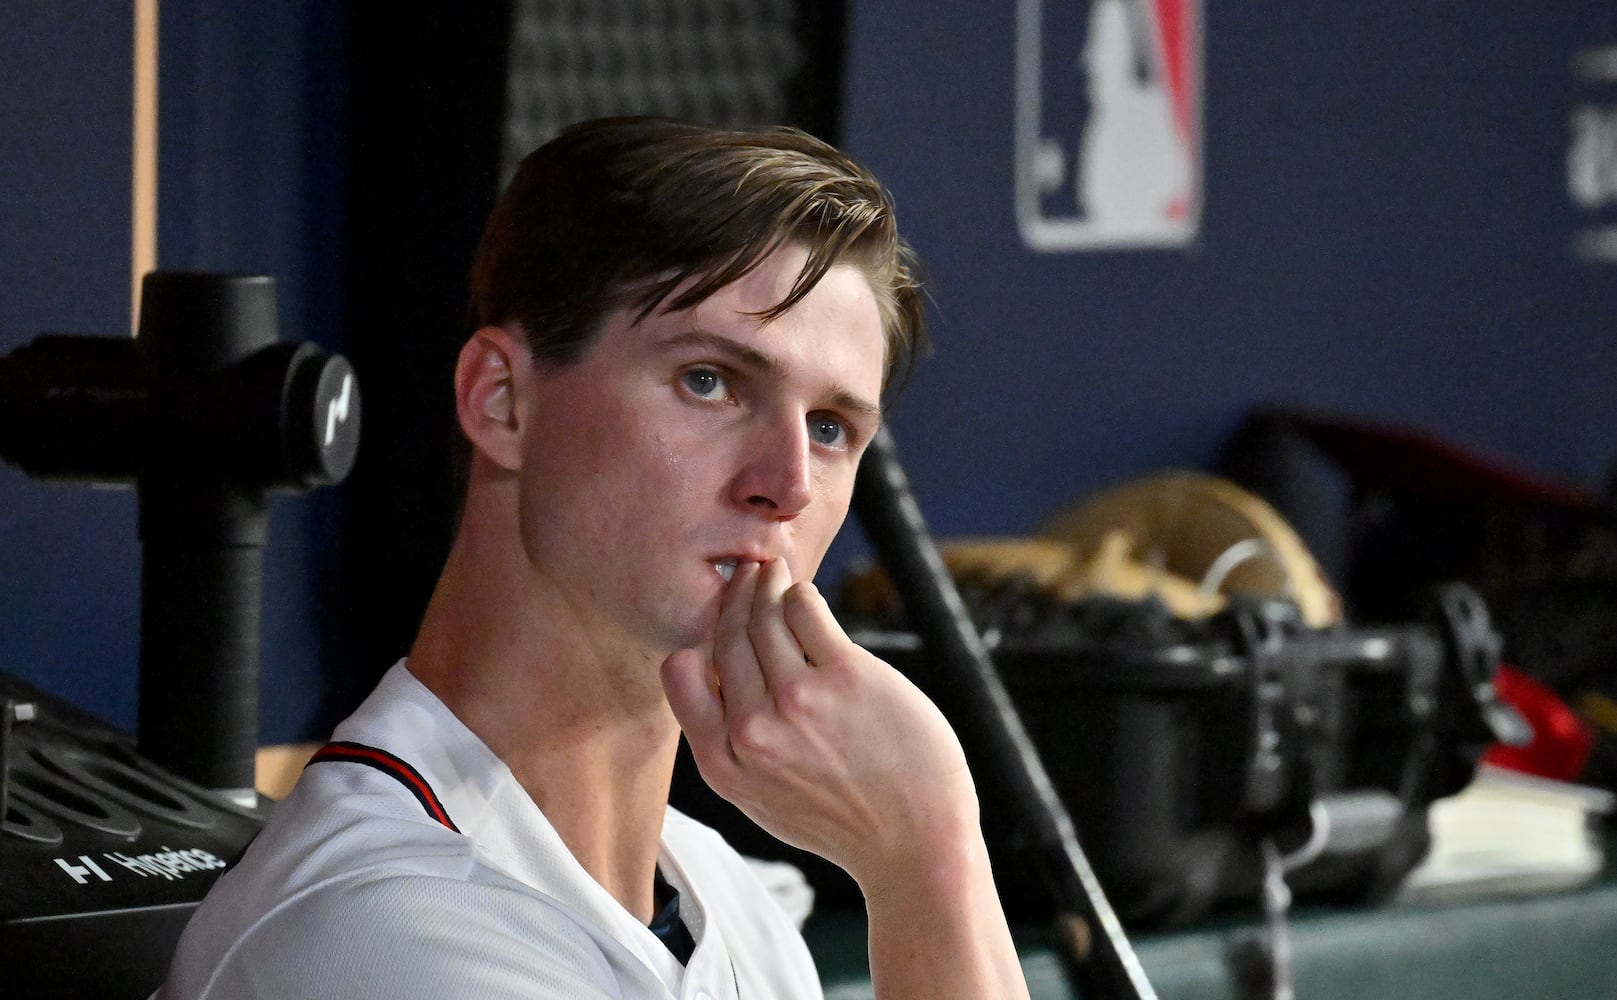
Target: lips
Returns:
[[725, 565]]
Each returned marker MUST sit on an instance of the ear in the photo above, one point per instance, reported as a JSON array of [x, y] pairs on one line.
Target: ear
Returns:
[[490, 363]]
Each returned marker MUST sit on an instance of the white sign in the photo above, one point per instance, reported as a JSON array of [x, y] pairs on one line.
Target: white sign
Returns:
[[1591, 157], [1108, 123]]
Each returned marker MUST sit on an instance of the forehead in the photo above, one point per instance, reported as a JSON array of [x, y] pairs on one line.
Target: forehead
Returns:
[[835, 330]]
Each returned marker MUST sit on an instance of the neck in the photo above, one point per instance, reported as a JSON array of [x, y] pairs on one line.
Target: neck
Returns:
[[583, 724]]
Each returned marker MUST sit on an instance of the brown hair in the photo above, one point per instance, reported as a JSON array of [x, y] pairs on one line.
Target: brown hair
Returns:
[[622, 212]]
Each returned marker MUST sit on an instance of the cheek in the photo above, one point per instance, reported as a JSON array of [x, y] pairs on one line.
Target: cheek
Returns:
[[577, 481], [676, 471]]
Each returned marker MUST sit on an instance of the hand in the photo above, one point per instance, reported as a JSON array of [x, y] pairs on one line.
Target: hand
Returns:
[[832, 750], [818, 741]]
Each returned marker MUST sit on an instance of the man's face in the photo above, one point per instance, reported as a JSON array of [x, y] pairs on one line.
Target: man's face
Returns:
[[683, 444]]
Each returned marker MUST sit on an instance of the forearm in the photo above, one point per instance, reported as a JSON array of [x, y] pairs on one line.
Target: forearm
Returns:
[[939, 931]]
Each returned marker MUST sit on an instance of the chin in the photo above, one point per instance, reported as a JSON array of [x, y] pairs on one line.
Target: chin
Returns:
[[689, 631], [700, 631]]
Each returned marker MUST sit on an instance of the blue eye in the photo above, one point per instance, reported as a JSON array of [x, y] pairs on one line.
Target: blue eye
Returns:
[[827, 431], [705, 383]]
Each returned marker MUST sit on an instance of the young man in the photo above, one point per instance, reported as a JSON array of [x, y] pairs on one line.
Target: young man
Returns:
[[681, 341]]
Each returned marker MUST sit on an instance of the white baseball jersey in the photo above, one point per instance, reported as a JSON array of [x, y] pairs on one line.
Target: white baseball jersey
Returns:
[[410, 863]]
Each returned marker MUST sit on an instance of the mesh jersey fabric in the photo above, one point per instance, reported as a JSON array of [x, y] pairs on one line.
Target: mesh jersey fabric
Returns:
[[353, 890]]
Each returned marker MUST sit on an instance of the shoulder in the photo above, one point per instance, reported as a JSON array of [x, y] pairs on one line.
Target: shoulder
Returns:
[[344, 836], [407, 935]]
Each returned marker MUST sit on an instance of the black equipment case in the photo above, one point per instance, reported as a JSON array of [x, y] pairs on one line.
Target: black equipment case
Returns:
[[104, 855], [1180, 746]]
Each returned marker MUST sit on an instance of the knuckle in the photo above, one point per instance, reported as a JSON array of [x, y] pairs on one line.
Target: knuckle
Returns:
[[799, 596], [794, 697], [750, 735]]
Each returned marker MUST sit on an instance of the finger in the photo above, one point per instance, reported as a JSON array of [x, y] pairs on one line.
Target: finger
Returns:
[[779, 655], [812, 624], [740, 677], [695, 700]]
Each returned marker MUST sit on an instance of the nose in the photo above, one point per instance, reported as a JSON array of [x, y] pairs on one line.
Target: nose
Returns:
[[776, 478]]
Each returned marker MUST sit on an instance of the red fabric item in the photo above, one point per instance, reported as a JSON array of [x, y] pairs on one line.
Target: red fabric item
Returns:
[[1412, 461], [1561, 741]]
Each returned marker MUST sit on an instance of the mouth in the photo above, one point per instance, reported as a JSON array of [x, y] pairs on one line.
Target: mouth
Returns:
[[725, 568]]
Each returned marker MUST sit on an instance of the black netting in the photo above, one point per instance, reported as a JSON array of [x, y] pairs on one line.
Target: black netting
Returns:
[[724, 62]]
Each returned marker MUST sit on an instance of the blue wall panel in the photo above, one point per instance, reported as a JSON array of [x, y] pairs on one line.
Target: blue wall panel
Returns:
[[1387, 232], [250, 180], [69, 560]]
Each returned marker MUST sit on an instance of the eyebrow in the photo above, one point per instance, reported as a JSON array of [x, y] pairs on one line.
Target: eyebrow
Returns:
[[748, 356]]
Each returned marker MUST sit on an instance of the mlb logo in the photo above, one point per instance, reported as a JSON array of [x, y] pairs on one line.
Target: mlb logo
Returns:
[[1108, 123]]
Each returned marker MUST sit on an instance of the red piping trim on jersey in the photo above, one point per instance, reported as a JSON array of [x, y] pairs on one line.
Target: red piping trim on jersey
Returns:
[[395, 767]]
